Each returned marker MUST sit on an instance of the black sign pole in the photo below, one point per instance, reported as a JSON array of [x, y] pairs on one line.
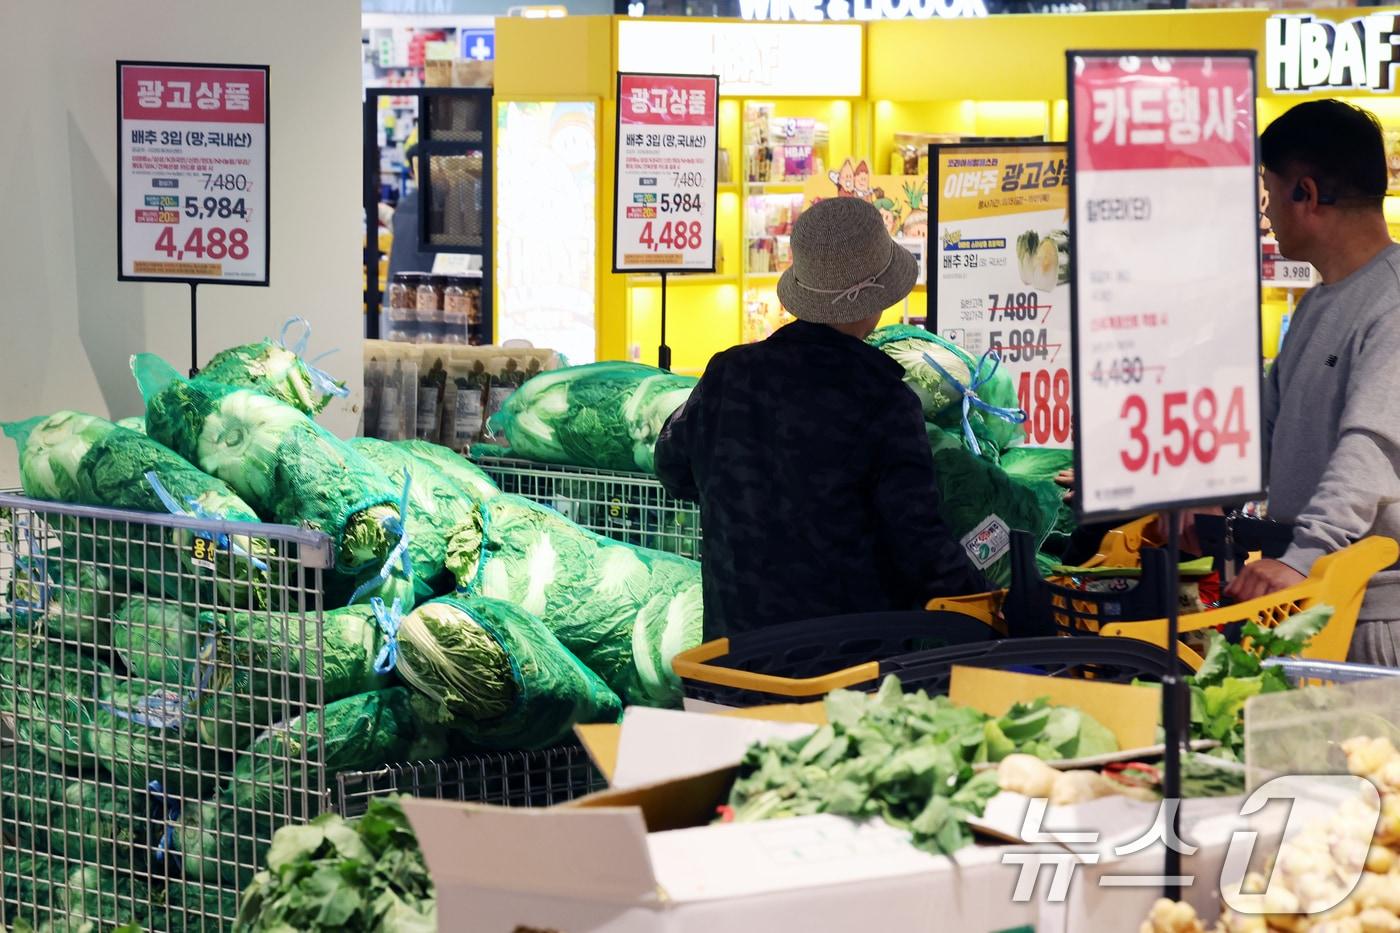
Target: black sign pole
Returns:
[[663, 354], [1174, 721], [194, 329]]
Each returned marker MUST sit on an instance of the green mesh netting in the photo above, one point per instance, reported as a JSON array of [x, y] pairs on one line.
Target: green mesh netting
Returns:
[[107, 898], [157, 640], [276, 371], [33, 886], [602, 415], [465, 476], [80, 459], [496, 674], [624, 611], [79, 819], [1038, 465], [290, 469], [66, 599], [145, 735], [216, 845], [361, 732], [48, 692], [973, 490], [941, 399], [253, 666], [436, 509]]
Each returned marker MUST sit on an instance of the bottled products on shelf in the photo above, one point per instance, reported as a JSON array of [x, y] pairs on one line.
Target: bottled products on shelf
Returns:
[[433, 309], [782, 149]]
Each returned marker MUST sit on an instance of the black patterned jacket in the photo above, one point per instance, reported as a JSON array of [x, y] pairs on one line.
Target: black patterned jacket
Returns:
[[808, 456]]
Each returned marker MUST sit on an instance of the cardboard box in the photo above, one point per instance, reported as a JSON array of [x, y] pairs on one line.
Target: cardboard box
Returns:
[[645, 856]]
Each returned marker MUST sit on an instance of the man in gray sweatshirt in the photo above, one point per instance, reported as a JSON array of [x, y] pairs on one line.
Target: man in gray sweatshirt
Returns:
[[1331, 401]]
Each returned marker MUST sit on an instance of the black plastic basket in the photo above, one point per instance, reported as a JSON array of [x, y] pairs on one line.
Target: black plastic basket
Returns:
[[1036, 608], [506, 779]]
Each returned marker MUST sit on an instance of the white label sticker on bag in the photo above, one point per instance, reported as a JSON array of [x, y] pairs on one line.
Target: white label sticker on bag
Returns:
[[986, 543]]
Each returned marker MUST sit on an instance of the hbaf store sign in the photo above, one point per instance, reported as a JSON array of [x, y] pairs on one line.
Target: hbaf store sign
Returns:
[[814, 11], [1302, 53]]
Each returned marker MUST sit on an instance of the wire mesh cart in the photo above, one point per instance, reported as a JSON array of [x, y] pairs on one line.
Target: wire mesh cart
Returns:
[[632, 508], [154, 671]]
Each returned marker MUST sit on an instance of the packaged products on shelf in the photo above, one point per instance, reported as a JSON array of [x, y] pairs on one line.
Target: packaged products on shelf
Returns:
[[464, 402]]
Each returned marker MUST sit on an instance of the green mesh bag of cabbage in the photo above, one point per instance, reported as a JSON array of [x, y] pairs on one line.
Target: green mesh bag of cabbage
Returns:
[[624, 611], [1036, 466], [437, 508], [251, 666], [941, 373], [980, 502], [85, 460], [82, 819], [147, 736], [33, 886], [495, 674], [106, 898], [467, 477], [66, 599], [602, 415], [48, 693], [274, 369], [286, 466]]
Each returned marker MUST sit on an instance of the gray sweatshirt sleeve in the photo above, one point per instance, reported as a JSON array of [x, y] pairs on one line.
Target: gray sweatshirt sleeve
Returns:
[[1360, 478]]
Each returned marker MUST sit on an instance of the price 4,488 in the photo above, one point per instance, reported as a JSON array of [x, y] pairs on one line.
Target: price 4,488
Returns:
[[1183, 427]]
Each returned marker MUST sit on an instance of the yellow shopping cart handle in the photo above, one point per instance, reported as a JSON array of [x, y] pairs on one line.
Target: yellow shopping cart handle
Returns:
[[692, 665]]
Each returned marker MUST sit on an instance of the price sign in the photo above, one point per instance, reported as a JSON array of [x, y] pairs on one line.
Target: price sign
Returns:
[[1165, 237], [667, 152], [192, 187], [999, 269]]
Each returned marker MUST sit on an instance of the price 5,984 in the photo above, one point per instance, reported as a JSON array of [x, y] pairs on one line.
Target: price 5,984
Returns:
[[1186, 427]]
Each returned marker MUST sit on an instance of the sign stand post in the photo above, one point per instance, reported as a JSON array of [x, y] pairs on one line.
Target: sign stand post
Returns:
[[663, 353], [1167, 357], [194, 329]]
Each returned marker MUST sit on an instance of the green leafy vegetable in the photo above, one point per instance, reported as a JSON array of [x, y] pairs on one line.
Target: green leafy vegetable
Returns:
[[906, 758], [338, 875]]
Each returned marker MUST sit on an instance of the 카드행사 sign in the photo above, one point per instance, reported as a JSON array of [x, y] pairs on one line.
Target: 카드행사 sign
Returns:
[[192, 185], [667, 147], [999, 270], [1165, 271]]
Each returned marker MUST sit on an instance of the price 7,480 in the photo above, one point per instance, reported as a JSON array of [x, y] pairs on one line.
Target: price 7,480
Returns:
[[1182, 428]]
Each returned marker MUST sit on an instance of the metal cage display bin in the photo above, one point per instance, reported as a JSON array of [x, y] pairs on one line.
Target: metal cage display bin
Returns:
[[632, 508], [153, 674], [504, 779]]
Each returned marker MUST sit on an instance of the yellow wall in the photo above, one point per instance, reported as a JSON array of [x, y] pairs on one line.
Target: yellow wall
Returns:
[[1000, 76]]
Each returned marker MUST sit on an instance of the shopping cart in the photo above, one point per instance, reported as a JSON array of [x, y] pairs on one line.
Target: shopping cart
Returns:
[[715, 674]]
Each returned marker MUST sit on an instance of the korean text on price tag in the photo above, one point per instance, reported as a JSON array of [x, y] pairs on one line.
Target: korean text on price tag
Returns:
[[192, 192], [1166, 275], [667, 147], [999, 270]]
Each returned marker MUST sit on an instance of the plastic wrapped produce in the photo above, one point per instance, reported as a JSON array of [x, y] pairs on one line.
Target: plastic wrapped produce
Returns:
[[941, 373], [466, 476], [436, 509], [288, 467], [624, 611], [602, 415], [80, 459], [497, 675], [277, 370], [147, 736]]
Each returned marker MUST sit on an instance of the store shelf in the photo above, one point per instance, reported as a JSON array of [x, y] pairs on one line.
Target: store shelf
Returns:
[[769, 236], [762, 278], [727, 187], [777, 188]]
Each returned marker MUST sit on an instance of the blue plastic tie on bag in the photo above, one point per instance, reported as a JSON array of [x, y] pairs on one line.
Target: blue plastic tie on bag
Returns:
[[970, 400], [321, 381], [195, 510], [390, 619], [165, 809], [35, 565], [399, 555]]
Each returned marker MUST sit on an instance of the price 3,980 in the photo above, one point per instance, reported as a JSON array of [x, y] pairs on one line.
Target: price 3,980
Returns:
[[1189, 428]]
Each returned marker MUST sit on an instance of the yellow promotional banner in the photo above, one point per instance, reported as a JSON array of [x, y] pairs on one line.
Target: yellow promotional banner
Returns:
[[902, 200], [998, 275]]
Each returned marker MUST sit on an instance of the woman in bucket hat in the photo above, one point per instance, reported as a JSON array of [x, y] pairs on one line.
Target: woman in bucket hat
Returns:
[[807, 452]]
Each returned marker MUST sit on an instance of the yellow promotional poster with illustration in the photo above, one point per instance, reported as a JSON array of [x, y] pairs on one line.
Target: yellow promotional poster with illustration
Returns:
[[901, 199], [999, 270]]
